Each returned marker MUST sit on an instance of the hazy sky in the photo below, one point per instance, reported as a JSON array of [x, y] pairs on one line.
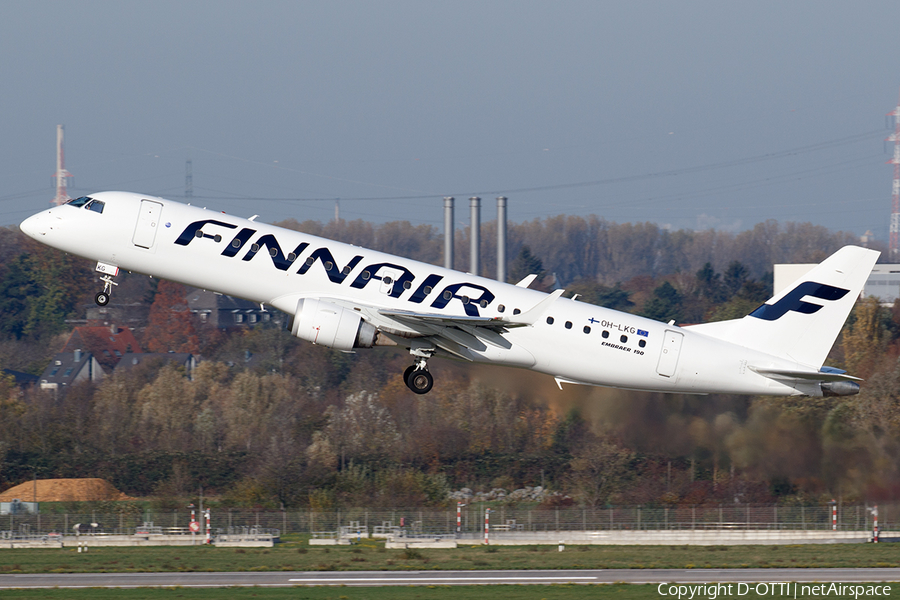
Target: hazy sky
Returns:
[[689, 113]]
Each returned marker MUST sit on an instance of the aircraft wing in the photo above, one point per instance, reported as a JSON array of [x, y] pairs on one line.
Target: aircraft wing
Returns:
[[458, 334], [497, 324]]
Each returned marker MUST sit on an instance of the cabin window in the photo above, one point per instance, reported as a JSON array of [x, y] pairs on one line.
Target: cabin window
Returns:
[[501, 308], [387, 280], [273, 252], [465, 299], [568, 324], [407, 285], [254, 247], [623, 338], [292, 257], [642, 343], [587, 328], [447, 295], [605, 334], [310, 261], [366, 275], [346, 270], [516, 311], [483, 303], [236, 243], [549, 320], [428, 289], [328, 265]]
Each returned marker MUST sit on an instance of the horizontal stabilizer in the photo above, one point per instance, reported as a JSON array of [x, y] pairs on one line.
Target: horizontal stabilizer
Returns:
[[804, 375]]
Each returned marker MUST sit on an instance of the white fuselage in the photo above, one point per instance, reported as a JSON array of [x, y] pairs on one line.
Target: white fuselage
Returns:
[[584, 343]]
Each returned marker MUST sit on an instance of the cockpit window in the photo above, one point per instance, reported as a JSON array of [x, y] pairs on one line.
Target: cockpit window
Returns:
[[79, 202], [95, 205]]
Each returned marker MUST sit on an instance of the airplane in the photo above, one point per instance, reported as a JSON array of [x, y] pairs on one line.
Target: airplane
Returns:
[[347, 297]]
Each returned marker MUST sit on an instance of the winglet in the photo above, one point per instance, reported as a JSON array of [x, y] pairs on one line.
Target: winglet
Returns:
[[531, 316], [526, 281]]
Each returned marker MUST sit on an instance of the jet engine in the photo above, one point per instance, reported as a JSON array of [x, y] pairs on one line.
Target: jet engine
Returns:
[[328, 324], [839, 388]]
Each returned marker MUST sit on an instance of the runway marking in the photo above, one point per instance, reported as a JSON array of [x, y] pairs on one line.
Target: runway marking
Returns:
[[537, 577]]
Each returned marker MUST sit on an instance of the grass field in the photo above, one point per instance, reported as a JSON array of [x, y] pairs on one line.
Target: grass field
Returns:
[[371, 555], [494, 592]]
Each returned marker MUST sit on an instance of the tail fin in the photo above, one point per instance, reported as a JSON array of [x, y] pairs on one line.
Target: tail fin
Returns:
[[803, 320]]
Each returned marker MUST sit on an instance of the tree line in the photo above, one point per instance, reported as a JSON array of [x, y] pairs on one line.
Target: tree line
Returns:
[[300, 425]]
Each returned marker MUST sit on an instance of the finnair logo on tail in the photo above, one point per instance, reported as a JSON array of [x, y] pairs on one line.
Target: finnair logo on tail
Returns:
[[793, 300]]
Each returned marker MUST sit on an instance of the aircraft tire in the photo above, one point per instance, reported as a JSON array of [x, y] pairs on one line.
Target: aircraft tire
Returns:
[[102, 298], [420, 381]]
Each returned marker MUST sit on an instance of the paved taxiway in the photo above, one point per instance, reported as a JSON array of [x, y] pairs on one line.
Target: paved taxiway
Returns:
[[386, 578]]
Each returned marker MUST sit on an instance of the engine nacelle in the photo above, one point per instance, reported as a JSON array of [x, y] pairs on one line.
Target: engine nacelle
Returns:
[[839, 388], [328, 324]]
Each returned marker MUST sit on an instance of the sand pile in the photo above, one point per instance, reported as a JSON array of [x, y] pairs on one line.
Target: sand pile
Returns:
[[64, 490]]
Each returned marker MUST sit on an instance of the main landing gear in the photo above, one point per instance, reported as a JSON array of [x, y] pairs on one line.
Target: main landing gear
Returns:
[[416, 376]]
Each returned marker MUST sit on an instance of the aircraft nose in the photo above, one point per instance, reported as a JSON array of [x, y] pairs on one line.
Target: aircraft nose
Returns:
[[34, 226]]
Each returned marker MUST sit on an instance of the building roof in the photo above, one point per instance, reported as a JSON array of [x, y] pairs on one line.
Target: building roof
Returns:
[[205, 300], [108, 344], [22, 379], [68, 367], [179, 358]]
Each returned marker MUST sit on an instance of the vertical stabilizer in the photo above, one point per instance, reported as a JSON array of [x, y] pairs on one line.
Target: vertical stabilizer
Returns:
[[803, 320]]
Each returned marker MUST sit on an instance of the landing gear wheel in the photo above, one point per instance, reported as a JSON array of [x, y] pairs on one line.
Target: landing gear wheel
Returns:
[[102, 298], [407, 373], [419, 381]]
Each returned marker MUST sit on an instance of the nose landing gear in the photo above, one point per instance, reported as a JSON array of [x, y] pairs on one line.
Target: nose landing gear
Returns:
[[102, 298], [109, 271]]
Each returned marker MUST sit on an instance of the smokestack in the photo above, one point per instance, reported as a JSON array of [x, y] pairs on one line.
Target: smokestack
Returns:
[[501, 239], [61, 175], [475, 236], [448, 232]]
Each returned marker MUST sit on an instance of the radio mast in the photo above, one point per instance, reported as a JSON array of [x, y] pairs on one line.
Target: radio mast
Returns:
[[895, 197], [62, 195]]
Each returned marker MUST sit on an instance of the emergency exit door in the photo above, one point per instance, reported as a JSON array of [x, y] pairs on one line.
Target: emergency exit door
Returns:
[[668, 358]]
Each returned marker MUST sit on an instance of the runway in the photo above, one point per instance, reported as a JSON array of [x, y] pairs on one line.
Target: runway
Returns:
[[435, 577]]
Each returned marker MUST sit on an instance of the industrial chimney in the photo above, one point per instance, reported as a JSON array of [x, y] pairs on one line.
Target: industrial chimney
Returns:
[[62, 195], [475, 236], [501, 239], [449, 232]]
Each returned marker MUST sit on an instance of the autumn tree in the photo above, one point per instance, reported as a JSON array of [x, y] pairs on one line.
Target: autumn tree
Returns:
[[171, 326], [599, 468]]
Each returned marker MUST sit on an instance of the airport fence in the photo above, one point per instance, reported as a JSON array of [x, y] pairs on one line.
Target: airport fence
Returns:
[[443, 521]]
